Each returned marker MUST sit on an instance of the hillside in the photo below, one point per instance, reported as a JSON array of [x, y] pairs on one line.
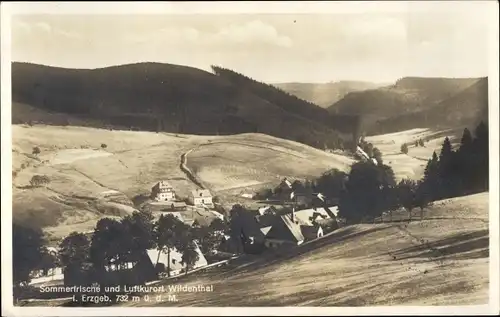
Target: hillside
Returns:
[[442, 260], [466, 108], [290, 103], [155, 97], [407, 96], [412, 165], [89, 181], [325, 94]]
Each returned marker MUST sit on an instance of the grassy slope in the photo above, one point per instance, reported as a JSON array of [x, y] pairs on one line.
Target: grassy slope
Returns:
[[411, 165], [248, 162], [324, 95], [442, 260], [131, 164]]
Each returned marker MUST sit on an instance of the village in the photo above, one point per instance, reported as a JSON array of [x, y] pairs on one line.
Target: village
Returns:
[[291, 219]]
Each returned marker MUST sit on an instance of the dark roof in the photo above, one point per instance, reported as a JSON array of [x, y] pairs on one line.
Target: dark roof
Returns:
[[285, 229], [203, 219], [309, 232], [249, 224], [265, 220]]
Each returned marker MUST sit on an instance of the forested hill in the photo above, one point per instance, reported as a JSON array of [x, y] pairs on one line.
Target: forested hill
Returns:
[[163, 97], [290, 103], [465, 108], [417, 102]]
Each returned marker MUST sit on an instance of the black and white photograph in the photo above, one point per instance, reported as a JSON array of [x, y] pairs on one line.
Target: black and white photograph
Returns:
[[339, 155]]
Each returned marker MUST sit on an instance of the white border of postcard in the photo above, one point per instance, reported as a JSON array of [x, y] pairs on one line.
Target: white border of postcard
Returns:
[[487, 9]]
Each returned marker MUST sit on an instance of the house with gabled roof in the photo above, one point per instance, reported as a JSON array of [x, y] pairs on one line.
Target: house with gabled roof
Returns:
[[163, 257], [295, 227], [312, 215], [163, 191], [285, 231], [201, 198]]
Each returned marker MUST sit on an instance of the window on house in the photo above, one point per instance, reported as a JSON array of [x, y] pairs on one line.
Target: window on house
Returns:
[[173, 261]]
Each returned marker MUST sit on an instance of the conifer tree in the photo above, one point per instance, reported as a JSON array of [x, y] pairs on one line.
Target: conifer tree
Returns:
[[480, 149]]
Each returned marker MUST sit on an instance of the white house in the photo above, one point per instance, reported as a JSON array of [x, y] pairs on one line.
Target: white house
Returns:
[[201, 198], [163, 191], [52, 274], [175, 258]]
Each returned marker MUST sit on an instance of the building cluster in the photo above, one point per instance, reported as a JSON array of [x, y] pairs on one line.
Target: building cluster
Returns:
[[163, 192], [269, 228], [252, 231]]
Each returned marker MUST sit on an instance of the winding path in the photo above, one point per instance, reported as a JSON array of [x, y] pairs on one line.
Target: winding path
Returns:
[[190, 175]]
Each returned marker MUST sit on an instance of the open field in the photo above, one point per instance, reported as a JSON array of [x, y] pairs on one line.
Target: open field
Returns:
[[245, 161], [89, 181], [442, 260], [411, 165]]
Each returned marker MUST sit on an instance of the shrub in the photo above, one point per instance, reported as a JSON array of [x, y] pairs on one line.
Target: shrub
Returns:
[[404, 148], [103, 145], [36, 150], [38, 180]]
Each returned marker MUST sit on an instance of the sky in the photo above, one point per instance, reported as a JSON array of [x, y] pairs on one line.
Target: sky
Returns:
[[376, 47]]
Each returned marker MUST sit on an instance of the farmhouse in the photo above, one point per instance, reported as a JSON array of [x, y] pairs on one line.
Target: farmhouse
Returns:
[[272, 228], [285, 231], [113, 273], [163, 191], [295, 227], [315, 214], [201, 198], [49, 274], [145, 269], [161, 259], [325, 218]]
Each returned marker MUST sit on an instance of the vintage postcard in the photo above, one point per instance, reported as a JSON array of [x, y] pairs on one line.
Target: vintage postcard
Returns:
[[250, 158]]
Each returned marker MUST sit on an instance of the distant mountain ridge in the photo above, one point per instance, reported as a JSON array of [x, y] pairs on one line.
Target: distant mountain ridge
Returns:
[[389, 109], [325, 94], [170, 98], [467, 108]]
